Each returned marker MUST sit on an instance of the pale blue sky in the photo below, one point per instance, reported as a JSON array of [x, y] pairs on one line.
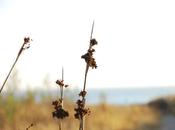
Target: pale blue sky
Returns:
[[136, 41]]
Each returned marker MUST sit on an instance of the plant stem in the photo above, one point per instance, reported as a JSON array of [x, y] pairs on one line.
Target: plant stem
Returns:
[[61, 91], [83, 98], [61, 98], [81, 127], [9, 73], [91, 35], [62, 87], [19, 53], [60, 124], [85, 77]]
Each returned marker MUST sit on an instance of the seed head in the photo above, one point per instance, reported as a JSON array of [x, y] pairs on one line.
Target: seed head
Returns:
[[82, 93], [81, 112], [88, 57], [60, 83], [60, 113], [26, 44], [93, 42]]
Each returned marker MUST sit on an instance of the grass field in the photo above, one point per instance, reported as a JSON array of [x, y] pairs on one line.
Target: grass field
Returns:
[[18, 114]]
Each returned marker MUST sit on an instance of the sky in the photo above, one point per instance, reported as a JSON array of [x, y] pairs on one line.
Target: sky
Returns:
[[136, 41]]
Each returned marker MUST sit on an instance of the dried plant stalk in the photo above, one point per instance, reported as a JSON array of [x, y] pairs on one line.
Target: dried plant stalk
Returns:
[[30, 126], [59, 112], [81, 111], [24, 46], [60, 124]]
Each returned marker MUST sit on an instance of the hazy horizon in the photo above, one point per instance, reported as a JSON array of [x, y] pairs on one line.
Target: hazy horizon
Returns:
[[135, 41]]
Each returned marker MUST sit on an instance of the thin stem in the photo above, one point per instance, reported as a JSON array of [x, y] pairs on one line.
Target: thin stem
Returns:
[[83, 98], [60, 124], [19, 53], [61, 98], [61, 91], [62, 73], [87, 66], [92, 30], [9, 73], [62, 87], [81, 127], [85, 77]]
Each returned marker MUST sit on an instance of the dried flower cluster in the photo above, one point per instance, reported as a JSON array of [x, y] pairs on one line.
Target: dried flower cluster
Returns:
[[26, 44], [90, 61], [61, 83], [59, 112], [89, 55], [81, 111]]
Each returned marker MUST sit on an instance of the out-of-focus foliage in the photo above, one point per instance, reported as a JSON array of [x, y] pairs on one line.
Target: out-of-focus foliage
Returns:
[[17, 113]]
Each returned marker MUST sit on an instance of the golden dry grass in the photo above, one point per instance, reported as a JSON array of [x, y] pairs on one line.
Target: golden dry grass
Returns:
[[103, 117]]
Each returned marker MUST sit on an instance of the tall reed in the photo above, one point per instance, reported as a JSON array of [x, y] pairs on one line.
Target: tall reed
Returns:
[[81, 111], [59, 112], [24, 46]]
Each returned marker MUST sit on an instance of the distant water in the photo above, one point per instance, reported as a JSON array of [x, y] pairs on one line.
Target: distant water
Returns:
[[122, 96], [125, 96]]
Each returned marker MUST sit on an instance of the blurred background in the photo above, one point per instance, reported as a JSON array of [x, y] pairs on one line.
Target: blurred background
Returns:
[[133, 87], [149, 108]]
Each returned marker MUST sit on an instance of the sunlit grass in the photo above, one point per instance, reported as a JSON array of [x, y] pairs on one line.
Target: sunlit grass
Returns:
[[103, 117]]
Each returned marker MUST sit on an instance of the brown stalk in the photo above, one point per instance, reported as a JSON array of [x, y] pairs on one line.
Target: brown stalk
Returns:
[[87, 66], [81, 111], [60, 124], [85, 79], [59, 112], [24, 46], [61, 98]]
